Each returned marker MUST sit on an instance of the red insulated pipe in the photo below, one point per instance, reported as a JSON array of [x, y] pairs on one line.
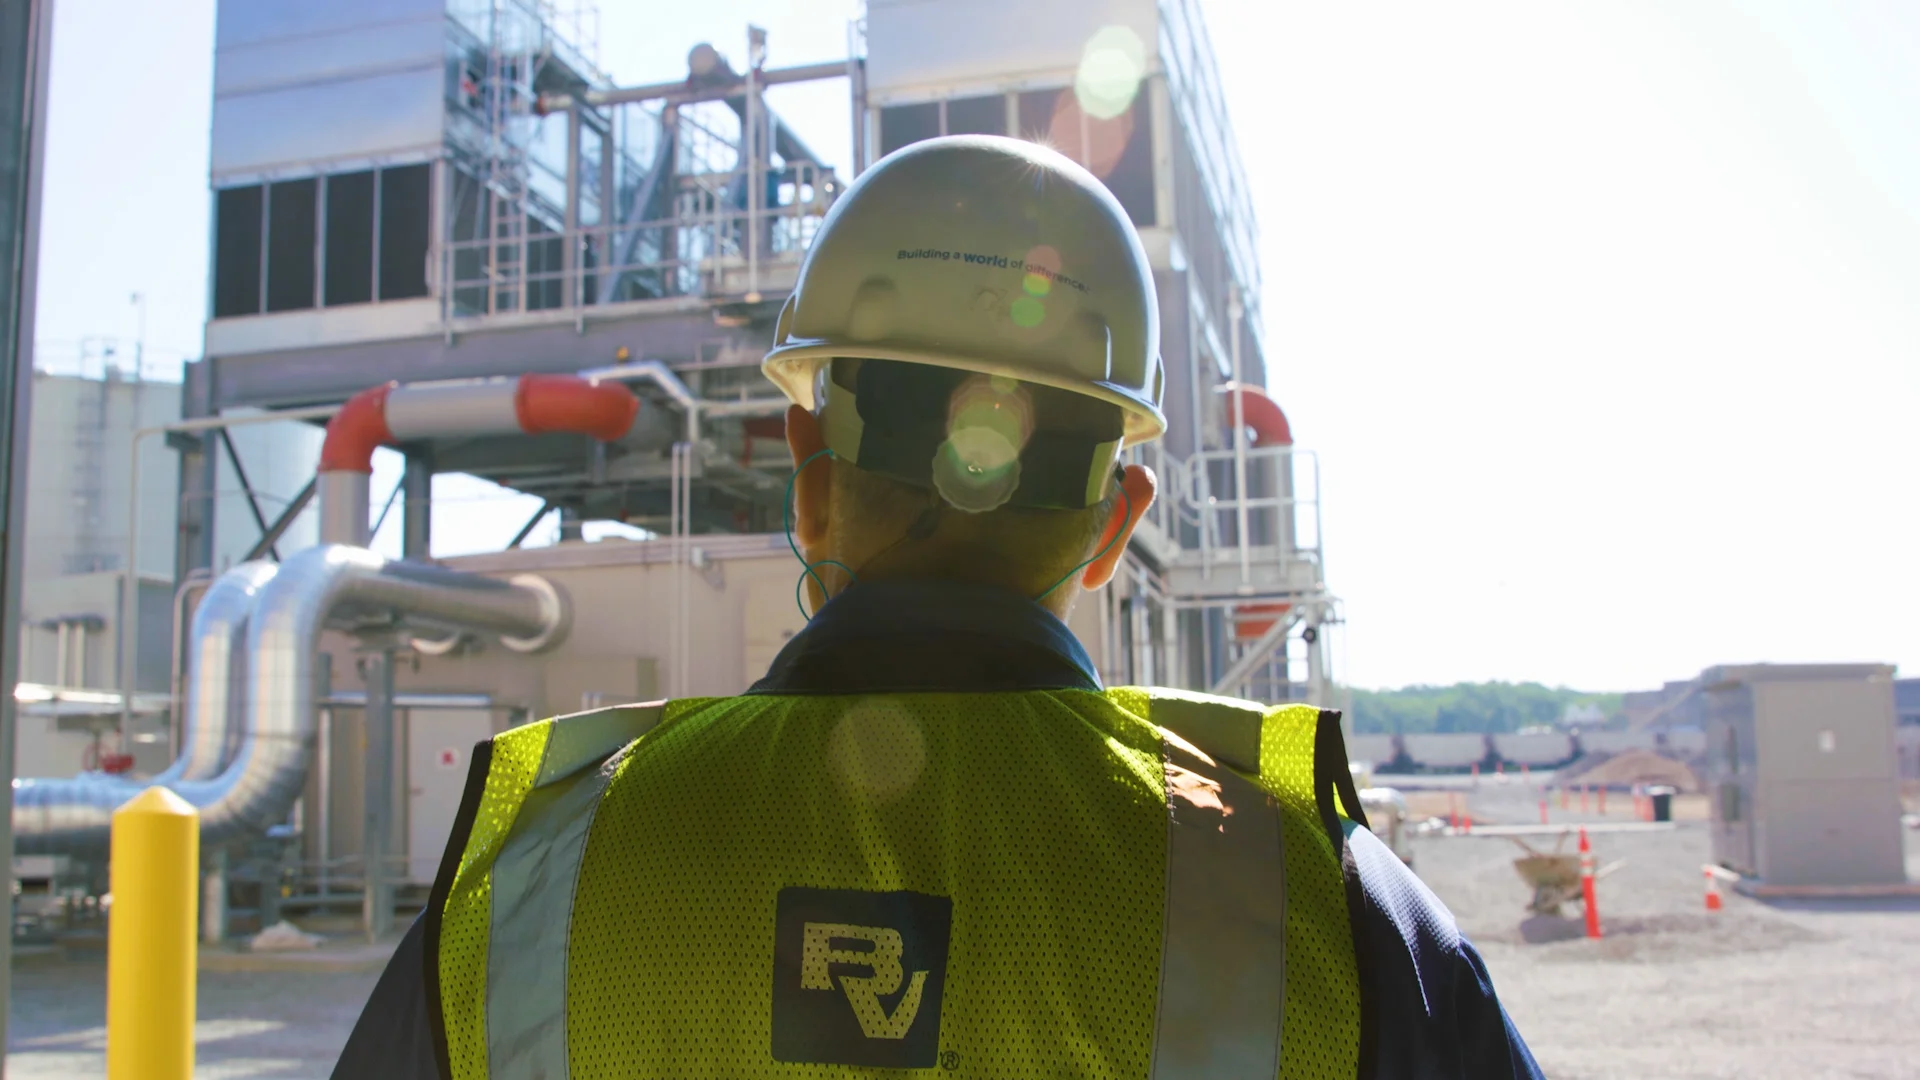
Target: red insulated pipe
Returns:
[[549, 403], [356, 431], [541, 404], [1262, 414]]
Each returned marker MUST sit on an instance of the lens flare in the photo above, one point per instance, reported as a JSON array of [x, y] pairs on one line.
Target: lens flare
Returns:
[[989, 422], [1044, 259], [877, 749], [1043, 263], [994, 403], [1028, 312], [1095, 143], [1112, 65]]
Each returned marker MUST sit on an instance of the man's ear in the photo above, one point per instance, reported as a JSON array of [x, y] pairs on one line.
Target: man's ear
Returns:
[[812, 489], [1137, 488]]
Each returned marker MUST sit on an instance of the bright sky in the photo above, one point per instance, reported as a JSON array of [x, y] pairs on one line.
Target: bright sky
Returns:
[[1603, 318]]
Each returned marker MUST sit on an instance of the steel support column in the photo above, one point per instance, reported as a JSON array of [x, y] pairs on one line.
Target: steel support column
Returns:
[[570, 227], [750, 138], [416, 511], [199, 479], [377, 901], [26, 30]]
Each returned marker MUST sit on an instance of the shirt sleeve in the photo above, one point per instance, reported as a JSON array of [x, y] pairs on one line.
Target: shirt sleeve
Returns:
[[1489, 1044], [393, 1039], [1428, 1009]]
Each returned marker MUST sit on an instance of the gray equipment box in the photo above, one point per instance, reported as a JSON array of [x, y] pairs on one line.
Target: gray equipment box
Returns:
[[1802, 773]]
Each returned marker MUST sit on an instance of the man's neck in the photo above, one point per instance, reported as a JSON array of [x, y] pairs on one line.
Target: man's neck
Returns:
[[902, 635]]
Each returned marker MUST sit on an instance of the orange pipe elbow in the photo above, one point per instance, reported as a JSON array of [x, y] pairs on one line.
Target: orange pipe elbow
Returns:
[[549, 403], [1262, 414], [356, 431]]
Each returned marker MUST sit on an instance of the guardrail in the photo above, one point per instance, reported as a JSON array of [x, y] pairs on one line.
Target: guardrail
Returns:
[[714, 244]]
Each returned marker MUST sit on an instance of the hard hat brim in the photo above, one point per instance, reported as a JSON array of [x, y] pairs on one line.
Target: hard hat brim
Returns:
[[793, 368]]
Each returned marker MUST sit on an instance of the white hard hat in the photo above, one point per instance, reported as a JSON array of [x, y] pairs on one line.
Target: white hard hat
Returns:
[[987, 255]]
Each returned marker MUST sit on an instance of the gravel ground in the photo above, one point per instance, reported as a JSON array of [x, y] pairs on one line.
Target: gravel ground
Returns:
[[1803, 990], [252, 1024]]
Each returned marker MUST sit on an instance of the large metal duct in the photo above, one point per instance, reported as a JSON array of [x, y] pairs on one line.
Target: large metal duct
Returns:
[[328, 585], [212, 728]]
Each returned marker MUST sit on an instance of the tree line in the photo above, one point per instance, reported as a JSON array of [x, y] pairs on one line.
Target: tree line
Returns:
[[1491, 707]]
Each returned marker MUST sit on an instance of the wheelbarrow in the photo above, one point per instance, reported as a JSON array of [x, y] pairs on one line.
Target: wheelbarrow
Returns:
[[1554, 877]]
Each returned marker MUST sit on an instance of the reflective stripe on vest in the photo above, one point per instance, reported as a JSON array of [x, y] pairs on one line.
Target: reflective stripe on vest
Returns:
[[1321, 1013], [1248, 877], [1223, 954], [503, 933]]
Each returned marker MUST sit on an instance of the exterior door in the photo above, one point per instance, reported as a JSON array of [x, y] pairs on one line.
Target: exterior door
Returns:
[[439, 746]]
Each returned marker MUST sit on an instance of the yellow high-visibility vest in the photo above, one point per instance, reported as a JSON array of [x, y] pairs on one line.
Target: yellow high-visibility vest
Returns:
[[1136, 883]]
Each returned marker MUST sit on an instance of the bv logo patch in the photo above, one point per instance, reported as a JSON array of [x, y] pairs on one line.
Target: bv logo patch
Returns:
[[858, 976]]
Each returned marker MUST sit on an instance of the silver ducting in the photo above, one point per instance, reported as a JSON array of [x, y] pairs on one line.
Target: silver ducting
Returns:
[[328, 585], [212, 727], [344, 511]]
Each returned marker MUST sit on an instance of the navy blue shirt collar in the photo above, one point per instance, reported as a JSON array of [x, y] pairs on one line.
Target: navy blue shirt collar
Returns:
[[929, 636]]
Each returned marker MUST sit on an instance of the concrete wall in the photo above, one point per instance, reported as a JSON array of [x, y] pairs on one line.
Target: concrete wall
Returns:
[[98, 595], [43, 748]]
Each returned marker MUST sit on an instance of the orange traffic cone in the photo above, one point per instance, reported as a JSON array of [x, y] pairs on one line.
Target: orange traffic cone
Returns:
[[1586, 886], [1713, 890]]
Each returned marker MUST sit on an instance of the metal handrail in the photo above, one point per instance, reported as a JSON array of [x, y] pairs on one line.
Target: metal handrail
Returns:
[[709, 238], [1217, 511]]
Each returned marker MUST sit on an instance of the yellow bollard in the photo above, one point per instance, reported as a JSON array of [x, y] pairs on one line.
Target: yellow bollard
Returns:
[[151, 939]]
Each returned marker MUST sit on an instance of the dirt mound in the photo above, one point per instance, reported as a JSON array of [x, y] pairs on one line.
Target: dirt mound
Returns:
[[1666, 938], [1627, 768]]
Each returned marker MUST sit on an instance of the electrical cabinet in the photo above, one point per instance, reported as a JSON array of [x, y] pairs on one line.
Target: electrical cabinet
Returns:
[[1801, 769]]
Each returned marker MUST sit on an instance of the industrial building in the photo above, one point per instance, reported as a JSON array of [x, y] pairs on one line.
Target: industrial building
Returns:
[[75, 566], [423, 208]]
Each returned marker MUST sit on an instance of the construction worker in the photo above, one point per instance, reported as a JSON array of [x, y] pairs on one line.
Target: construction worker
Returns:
[[929, 838]]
